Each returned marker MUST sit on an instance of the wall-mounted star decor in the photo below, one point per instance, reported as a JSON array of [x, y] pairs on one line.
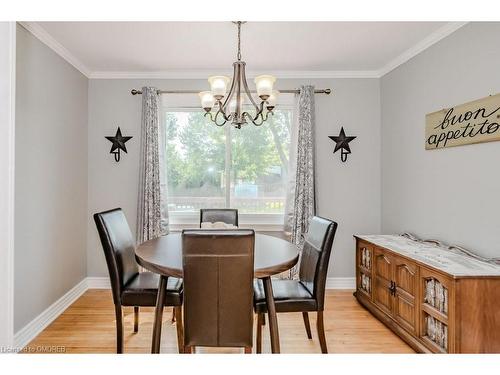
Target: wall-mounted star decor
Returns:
[[118, 144], [342, 144]]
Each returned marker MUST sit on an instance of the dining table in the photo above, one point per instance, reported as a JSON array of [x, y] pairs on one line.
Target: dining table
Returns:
[[163, 255]]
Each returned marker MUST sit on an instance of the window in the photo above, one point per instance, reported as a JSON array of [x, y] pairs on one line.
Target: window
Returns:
[[212, 167]]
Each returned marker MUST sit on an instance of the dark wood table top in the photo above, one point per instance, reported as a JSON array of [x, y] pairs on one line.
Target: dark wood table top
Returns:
[[164, 255]]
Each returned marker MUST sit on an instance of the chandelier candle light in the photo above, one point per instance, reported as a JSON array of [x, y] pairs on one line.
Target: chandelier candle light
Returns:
[[229, 108]]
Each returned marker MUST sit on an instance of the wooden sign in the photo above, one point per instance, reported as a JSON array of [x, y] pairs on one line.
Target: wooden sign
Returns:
[[473, 122]]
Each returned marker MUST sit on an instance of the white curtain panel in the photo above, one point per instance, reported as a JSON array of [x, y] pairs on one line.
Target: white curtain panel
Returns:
[[300, 204], [149, 205]]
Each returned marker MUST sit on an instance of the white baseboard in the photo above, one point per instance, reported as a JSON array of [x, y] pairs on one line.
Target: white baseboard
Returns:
[[37, 325], [98, 283], [24, 336], [341, 283]]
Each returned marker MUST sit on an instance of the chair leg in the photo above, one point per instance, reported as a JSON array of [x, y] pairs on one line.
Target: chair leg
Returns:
[[119, 329], [248, 350], [173, 316], [188, 349], [305, 316], [136, 319], [263, 319], [180, 329], [260, 320], [271, 315], [321, 332]]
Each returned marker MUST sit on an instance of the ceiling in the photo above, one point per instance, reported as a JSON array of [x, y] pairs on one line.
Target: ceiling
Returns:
[[101, 49]]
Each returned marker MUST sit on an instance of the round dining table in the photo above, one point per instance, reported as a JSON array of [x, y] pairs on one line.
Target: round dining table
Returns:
[[163, 256]]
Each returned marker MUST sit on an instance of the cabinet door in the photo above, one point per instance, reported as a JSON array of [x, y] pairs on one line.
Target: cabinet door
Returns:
[[405, 301], [437, 330], [382, 276], [364, 256]]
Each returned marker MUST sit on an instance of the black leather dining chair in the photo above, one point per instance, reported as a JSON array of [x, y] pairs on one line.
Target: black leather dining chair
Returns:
[[218, 288], [129, 286], [308, 292], [226, 215]]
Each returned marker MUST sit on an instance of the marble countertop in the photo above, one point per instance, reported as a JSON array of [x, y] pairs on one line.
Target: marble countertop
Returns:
[[457, 265]]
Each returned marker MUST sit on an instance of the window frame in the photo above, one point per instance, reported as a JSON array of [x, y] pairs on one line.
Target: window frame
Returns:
[[187, 220]]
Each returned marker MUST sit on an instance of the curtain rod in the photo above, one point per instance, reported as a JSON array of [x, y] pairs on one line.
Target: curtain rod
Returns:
[[296, 91]]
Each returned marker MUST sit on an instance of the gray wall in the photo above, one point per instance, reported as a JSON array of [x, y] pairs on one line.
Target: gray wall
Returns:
[[449, 194], [348, 192], [51, 178]]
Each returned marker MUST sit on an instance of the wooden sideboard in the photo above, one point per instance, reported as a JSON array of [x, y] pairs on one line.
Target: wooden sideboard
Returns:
[[437, 300]]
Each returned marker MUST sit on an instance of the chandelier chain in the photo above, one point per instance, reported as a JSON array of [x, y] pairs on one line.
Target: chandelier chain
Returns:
[[239, 41]]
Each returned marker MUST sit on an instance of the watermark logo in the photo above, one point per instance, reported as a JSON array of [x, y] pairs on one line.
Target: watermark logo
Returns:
[[34, 349]]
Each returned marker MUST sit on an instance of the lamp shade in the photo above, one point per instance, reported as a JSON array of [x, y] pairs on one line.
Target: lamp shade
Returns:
[[273, 98], [207, 99], [264, 85], [218, 85]]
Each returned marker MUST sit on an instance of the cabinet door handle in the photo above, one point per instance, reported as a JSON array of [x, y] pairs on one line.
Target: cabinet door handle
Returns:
[[392, 288]]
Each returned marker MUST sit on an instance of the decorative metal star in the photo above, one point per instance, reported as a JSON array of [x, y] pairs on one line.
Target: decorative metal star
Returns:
[[118, 144], [342, 144]]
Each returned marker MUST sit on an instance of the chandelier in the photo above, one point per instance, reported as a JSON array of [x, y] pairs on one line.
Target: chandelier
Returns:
[[222, 108]]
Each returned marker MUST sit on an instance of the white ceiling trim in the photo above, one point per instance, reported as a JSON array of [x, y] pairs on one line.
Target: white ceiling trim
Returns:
[[421, 46], [202, 74], [40, 33]]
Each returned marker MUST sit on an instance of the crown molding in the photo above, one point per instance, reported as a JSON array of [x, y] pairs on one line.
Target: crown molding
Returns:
[[40, 33], [204, 74], [421, 46]]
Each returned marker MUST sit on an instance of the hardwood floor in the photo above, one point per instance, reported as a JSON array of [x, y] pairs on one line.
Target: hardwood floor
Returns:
[[88, 326]]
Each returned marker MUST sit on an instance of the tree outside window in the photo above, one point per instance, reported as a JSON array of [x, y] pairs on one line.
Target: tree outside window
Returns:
[[196, 168]]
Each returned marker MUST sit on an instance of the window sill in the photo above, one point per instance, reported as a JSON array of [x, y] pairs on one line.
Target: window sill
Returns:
[[258, 222]]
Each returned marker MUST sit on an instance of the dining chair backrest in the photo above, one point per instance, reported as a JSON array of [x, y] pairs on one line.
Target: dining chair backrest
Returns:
[[218, 275], [119, 249], [315, 257], [225, 215]]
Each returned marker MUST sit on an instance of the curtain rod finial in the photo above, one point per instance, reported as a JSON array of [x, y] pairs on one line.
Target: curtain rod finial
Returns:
[[328, 91], [135, 92]]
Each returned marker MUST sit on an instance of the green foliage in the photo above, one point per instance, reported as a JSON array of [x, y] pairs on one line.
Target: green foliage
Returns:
[[254, 150], [196, 149]]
